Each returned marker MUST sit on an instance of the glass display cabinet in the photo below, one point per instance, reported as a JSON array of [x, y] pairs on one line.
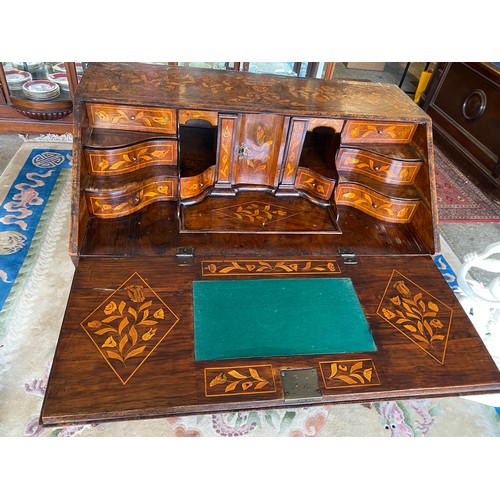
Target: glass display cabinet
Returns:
[[37, 97]]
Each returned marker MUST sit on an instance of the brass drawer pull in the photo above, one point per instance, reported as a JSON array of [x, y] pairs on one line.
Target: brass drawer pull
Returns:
[[242, 151]]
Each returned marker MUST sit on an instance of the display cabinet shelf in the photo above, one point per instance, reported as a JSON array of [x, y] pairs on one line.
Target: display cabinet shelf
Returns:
[[20, 112]]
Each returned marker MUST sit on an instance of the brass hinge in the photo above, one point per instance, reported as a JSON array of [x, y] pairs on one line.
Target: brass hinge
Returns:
[[185, 256], [300, 385], [348, 255]]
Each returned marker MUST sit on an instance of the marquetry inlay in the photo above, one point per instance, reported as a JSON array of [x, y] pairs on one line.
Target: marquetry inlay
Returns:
[[294, 150], [239, 380], [416, 314], [348, 373], [375, 204], [109, 205], [256, 213], [226, 140], [241, 267], [386, 132], [129, 325]]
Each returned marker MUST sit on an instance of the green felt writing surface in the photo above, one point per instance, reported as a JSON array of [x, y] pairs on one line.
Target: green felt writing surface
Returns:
[[278, 317]]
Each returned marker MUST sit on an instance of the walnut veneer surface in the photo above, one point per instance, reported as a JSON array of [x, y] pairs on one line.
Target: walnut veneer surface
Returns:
[[187, 174]]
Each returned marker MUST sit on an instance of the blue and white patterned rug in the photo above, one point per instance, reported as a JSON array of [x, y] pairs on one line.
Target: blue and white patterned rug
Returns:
[[23, 208]]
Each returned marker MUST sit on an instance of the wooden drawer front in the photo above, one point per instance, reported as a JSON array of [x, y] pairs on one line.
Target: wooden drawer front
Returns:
[[314, 184], [194, 186], [185, 115], [361, 132], [377, 167], [375, 204], [132, 118], [325, 122], [123, 160], [117, 204]]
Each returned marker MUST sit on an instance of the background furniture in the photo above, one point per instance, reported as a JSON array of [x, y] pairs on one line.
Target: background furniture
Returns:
[[20, 114], [463, 100]]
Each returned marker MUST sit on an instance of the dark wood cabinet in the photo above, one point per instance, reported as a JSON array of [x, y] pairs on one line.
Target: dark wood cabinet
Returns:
[[463, 100], [184, 175]]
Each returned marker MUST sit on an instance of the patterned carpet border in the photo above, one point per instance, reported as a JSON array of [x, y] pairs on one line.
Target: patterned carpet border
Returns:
[[459, 200]]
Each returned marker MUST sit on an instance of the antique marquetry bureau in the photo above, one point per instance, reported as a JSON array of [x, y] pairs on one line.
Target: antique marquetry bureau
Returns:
[[198, 195]]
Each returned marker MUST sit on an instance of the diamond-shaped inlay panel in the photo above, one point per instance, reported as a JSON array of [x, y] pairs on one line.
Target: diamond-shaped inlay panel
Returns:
[[418, 315], [256, 213], [129, 325]]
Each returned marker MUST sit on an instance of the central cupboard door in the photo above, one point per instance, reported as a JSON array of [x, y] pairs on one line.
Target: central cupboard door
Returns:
[[259, 151]]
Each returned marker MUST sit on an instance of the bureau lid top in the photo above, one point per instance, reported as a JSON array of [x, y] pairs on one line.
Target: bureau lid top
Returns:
[[177, 86]]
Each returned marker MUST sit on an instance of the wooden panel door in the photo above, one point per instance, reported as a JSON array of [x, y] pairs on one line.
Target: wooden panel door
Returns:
[[260, 150]]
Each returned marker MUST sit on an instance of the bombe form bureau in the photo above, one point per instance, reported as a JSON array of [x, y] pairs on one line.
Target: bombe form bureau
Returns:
[[248, 241]]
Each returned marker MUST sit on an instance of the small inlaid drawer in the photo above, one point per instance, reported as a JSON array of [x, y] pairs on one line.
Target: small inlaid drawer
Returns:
[[197, 184], [110, 205], [375, 204], [186, 115], [378, 167], [313, 183], [123, 160], [361, 132], [139, 118]]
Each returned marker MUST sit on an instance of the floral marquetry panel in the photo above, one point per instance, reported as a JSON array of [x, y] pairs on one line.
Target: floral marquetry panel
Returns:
[[260, 146], [294, 150], [377, 167], [239, 380], [186, 115], [375, 204], [123, 160], [256, 213], [242, 267], [349, 373], [416, 314], [139, 118], [234, 90], [385, 132], [128, 326], [315, 184], [226, 129], [194, 186], [124, 202]]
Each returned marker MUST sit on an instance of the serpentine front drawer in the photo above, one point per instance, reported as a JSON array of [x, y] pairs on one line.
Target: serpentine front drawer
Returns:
[[128, 159], [313, 183], [375, 204], [379, 167], [121, 202]]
